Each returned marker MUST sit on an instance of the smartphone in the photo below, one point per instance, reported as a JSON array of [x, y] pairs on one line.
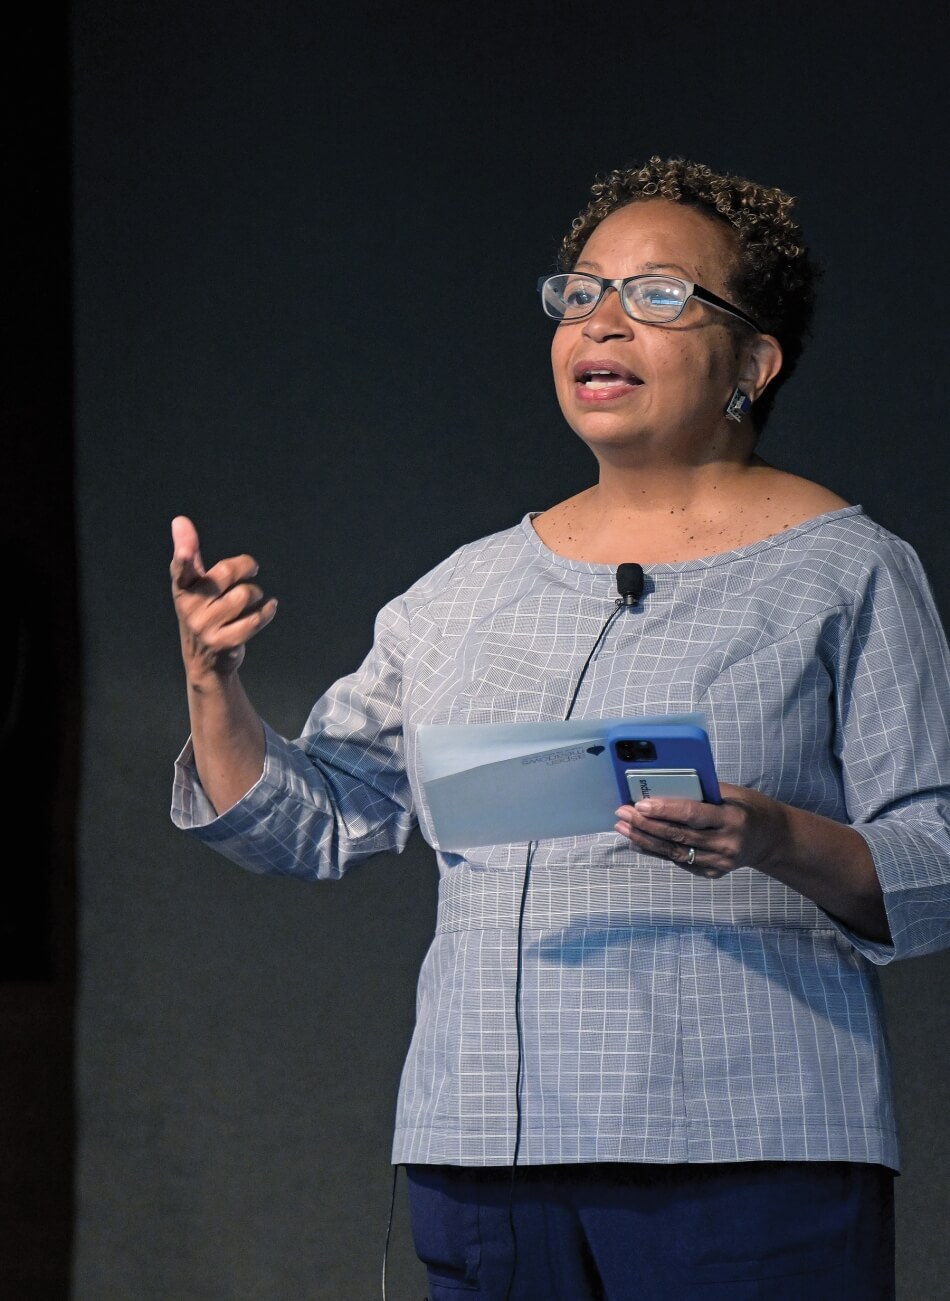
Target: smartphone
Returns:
[[672, 759]]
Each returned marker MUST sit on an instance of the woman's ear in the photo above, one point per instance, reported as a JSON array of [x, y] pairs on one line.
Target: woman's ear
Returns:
[[761, 362]]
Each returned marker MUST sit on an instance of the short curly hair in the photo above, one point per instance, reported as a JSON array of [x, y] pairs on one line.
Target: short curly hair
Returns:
[[774, 277]]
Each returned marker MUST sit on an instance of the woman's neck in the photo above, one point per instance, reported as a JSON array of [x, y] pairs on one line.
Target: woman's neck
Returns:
[[666, 514], [664, 486]]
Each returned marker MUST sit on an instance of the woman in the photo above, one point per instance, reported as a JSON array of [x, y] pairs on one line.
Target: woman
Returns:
[[692, 1073]]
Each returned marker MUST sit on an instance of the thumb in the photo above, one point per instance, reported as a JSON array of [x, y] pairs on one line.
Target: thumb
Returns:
[[187, 564]]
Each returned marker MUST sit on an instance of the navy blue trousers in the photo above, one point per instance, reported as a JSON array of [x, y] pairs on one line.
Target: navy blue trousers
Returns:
[[748, 1231]]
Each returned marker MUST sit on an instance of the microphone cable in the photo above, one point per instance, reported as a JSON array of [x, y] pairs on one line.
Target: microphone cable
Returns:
[[630, 586], [389, 1225]]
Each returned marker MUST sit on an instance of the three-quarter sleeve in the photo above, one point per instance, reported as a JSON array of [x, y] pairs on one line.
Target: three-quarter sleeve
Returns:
[[893, 743], [334, 797]]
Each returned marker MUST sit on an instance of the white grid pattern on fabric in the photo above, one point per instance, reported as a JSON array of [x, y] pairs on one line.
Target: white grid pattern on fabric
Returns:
[[666, 1018]]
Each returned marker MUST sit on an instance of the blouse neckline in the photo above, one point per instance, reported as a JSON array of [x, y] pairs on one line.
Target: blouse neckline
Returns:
[[701, 563]]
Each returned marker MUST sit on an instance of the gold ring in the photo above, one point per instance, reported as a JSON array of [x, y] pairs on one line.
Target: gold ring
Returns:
[[691, 857]]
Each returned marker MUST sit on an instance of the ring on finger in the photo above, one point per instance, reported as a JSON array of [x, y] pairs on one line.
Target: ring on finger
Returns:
[[711, 873]]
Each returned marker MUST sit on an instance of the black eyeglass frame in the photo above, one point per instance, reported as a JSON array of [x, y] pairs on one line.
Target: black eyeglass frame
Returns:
[[694, 291]]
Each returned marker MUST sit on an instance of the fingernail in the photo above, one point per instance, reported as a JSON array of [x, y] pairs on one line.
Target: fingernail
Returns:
[[644, 806]]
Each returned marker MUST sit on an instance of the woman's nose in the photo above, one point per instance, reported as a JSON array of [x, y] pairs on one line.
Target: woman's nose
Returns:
[[608, 319]]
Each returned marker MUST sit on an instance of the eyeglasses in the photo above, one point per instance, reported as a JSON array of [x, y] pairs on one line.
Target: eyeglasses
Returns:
[[653, 299]]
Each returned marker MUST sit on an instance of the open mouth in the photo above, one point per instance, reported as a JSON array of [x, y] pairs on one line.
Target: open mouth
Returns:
[[607, 379], [604, 378]]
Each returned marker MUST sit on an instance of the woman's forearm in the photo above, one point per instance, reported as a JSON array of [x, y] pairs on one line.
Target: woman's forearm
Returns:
[[227, 736], [219, 610], [823, 860], [831, 864]]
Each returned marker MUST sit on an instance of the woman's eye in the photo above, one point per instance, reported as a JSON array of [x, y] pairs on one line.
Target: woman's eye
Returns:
[[661, 296], [579, 297]]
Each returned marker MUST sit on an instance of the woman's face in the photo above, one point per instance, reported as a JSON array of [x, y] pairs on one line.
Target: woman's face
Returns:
[[668, 385]]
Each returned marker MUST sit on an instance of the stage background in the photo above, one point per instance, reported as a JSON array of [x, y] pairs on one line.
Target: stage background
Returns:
[[239, 1039]]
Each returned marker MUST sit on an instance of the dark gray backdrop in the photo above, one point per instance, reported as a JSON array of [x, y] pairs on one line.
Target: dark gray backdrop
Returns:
[[240, 1038]]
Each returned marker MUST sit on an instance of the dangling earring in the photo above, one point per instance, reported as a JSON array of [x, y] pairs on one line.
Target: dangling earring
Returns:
[[738, 405]]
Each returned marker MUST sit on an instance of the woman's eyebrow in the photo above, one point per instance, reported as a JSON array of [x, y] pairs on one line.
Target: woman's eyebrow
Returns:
[[668, 266], [647, 267]]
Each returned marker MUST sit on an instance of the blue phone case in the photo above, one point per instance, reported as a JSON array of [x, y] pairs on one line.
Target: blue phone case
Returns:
[[672, 746]]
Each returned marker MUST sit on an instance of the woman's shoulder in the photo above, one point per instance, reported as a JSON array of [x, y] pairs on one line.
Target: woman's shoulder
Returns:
[[857, 556], [798, 498], [506, 550], [822, 516]]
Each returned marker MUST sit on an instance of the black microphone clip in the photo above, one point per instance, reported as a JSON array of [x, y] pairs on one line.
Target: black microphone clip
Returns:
[[629, 583]]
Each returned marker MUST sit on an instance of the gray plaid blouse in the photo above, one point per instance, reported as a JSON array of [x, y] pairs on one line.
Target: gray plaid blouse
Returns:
[[665, 1017]]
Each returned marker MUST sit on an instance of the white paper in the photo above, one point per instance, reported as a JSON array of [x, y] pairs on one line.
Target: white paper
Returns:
[[498, 783]]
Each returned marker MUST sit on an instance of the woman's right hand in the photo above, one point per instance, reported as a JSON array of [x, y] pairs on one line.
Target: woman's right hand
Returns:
[[219, 609]]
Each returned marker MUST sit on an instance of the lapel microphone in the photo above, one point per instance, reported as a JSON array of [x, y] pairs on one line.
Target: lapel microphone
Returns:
[[629, 584]]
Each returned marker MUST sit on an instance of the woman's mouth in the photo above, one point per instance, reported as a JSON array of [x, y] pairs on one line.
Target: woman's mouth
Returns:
[[603, 381]]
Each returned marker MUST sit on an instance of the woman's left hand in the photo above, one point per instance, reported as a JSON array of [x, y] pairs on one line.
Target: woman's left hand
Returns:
[[745, 830], [826, 861]]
